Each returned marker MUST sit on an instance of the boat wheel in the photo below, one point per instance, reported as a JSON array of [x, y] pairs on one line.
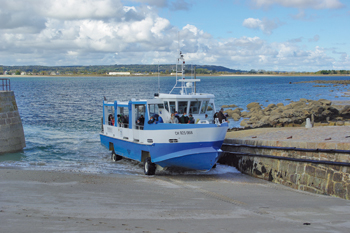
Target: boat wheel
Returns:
[[149, 167], [115, 157]]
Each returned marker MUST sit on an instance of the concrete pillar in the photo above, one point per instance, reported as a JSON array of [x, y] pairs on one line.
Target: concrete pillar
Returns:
[[11, 128]]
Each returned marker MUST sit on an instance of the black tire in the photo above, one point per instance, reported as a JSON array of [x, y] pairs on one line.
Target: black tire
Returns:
[[149, 168], [115, 157]]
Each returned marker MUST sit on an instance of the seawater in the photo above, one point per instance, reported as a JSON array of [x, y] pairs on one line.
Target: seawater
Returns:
[[61, 116]]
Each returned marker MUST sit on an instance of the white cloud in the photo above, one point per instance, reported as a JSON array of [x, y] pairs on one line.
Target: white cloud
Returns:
[[314, 4], [134, 35], [314, 39], [264, 25]]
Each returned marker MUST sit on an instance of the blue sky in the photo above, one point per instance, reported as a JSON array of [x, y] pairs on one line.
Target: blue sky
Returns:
[[284, 35]]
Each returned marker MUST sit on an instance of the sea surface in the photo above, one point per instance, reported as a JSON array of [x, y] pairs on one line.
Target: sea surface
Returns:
[[61, 116]]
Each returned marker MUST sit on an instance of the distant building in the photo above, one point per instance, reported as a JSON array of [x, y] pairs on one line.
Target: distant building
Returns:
[[23, 73], [119, 73], [179, 73]]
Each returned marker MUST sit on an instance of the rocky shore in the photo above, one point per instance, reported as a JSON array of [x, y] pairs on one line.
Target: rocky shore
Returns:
[[321, 112]]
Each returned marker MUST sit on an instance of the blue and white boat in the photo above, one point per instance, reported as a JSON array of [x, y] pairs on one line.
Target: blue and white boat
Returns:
[[163, 145]]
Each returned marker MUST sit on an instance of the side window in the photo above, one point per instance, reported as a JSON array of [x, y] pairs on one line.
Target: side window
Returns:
[[123, 117], [182, 107], [140, 111], [194, 107], [211, 110], [172, 106], [204, 106], [166, 105], [109, 113], [153, 109]]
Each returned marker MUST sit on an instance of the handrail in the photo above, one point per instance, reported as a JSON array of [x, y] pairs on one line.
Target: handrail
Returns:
[[5, 84], [289, 148]]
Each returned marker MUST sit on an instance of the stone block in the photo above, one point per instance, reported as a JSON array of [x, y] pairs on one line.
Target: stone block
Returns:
[[10, 114], [321, 145], [292, 168], [339, 190], [300, 168], [304, 179], [324, 156], [320, 173], [293, 178], [310, 189], [331, 145], [343, 146], [315, 183], [3, 143], [344, 158], [2, 121], [337, 177], [310, 170], [311, 145]]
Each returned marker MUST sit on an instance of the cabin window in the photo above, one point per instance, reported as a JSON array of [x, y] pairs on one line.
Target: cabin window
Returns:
[[182, 107], [172, 106], [123, 117], [153, 109], [140, 110], [109, 113], [204, 106], [166, 106], [194, 107], [211, 110]]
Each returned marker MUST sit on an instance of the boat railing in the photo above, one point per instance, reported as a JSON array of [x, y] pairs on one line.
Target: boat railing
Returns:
[[139, 127], [124, 125], [5, 84]]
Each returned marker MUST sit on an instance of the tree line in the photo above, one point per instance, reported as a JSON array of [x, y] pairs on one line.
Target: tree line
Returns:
[[147, 69]]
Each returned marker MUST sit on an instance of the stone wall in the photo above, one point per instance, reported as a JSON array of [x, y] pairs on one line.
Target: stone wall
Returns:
[[11, 129], [316, 172]]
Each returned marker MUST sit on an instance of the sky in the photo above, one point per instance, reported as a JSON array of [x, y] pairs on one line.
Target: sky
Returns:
[[271, 35]]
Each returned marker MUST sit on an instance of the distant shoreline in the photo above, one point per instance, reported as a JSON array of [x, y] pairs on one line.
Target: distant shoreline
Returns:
[[166, 75]]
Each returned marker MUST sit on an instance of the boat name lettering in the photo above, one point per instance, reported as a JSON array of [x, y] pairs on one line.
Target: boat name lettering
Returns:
[[183, 132]]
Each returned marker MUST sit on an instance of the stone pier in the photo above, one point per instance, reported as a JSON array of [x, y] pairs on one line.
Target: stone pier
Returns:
[[11, 129], [315, 160]]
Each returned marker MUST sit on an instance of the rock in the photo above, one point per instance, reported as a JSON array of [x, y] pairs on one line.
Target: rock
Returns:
[[288, 113], [340, 123], [345, 110], [235, 117], [209, 108], [237, 111], [303, 100], [325, 102], [271, 106], [280, 105], [245, 114], [224, 106], [297, 105], [244, 123], [233, 106], [253, 105], [274, 118]]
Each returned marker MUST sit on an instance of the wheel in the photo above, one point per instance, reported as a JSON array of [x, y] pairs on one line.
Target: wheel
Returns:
[[115, 157], [149, 167]]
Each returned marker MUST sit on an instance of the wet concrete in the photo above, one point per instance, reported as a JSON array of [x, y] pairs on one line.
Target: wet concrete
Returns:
[[41, 201]]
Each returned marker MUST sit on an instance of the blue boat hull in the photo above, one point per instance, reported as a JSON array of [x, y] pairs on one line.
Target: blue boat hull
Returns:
[[198, 155]]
